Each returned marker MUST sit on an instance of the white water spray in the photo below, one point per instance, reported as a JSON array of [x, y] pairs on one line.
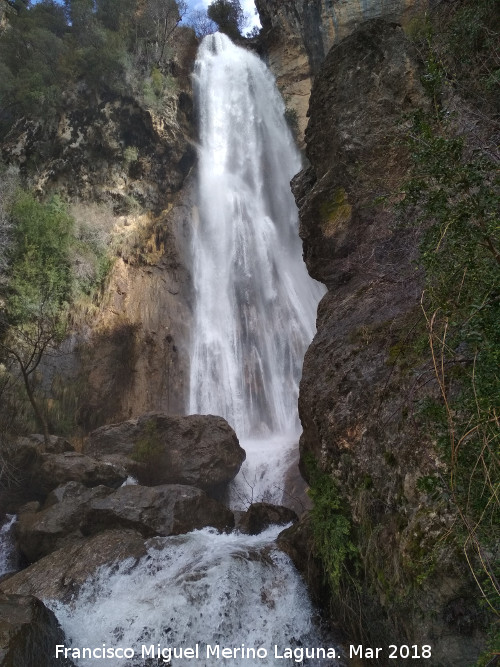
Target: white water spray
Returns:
[[255, 303], [8, 554], [203, 588]]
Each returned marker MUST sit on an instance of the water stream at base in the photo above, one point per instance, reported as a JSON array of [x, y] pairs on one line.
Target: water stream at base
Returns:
[[8, 553], [255, 316]]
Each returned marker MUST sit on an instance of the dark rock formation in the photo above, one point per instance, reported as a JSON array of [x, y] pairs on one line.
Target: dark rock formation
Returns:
[[297, 35], [33, 469], [298, 542], [21, 458], [260, 516], [29, 633], [198, 450], [59, 575], [357, 391], [165, 510], [56, 469], [57, 524], [82, 150]]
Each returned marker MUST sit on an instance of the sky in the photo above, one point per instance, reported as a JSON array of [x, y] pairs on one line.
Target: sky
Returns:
[[248, 7]]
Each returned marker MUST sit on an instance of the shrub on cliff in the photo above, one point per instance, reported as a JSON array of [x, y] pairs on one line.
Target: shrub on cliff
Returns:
[[39, 288], [50, 261], [454, 193]]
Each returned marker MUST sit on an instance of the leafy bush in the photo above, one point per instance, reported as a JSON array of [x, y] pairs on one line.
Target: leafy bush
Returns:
[[330, 526], [292, 118]]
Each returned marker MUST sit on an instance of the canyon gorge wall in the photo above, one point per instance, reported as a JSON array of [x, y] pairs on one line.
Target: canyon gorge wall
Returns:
[[362, 381], [299, 33]]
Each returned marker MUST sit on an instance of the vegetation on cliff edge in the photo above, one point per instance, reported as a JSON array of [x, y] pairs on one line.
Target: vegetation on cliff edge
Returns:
[[454, 192]]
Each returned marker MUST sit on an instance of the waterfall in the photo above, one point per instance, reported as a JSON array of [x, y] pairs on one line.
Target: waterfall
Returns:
[[255, 314], [255, 303], [8, 553]]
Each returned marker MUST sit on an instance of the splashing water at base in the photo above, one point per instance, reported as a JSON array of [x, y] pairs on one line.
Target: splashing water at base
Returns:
[[203, 588], [8, 553], [262, 475]]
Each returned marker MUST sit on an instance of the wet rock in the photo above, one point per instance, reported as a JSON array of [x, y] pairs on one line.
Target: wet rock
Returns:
[[297, 542], [29, 633], [41, 531], [260, 516], [21, 458], [59, 575], [57, 469], [56, 444], [197, 450], [165, 510]]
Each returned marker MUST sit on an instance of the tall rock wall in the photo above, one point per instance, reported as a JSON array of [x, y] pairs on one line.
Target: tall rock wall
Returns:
[[361, 381], [299, 33]]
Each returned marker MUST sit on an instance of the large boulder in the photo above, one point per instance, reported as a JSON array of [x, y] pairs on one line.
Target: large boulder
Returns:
[[56, 469], [34, 468], [197, 450], [60, 575], [29, 633], [165, 510], [260, 516], [57, 524], [21, 459]]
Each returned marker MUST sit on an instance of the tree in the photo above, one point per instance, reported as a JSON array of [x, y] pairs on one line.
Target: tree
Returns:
[[8, 186], [80, 13], [33, 321], [200, 22], [31, 82], [116, 14], [158, 21], [229, 16]]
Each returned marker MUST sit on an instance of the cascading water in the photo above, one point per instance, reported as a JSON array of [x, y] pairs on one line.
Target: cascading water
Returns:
[[255, 302], [255, 316], [8, 554]]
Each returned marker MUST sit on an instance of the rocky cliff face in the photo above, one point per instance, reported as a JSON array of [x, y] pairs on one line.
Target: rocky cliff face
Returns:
[[361, 381], [124, 168], [299, 33]]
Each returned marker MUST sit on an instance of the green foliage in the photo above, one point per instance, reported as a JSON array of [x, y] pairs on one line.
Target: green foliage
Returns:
[[473, 43], [51, 261], [460, 40], [292, 118], [110, 44], [488, 658], [228, 15], [330, 525], [454, 195], [30, 51], [40, 269], [148, 447]]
